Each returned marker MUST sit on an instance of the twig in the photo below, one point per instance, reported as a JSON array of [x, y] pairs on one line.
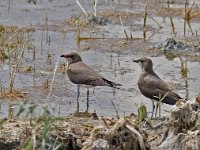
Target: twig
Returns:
[[145, 20], [120, 19], [95, 8], [54, 73], [34, 139], [77, 1], [140, 138], [188, 17], [157, 126], [171, 20], [164, 136], [116, 111], [191, 6], [155, 21], [13, 73], [104, 121]]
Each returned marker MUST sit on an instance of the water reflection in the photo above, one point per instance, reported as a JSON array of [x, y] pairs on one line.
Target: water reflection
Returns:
[[184, 74]]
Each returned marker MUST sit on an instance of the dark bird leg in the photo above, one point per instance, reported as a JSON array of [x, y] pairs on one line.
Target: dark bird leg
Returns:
[[113, 91], [93, 90], [156, 108], [153, 108], [78, 94], [87, 100]]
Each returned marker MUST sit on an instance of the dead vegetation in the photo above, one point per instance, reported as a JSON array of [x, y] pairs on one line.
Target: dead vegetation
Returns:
[[13, 41], [179, 130], [179, 12]]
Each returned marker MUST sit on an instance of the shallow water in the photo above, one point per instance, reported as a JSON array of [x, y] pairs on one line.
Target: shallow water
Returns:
[[111, 56]]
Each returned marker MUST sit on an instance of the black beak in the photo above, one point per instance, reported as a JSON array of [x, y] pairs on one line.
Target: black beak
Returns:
[[62, 56], [136, 61]]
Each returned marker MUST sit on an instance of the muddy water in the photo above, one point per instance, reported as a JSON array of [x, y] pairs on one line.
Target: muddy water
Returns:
[[111, 56]]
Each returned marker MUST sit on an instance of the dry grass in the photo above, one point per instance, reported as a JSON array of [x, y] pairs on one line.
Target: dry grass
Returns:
[[194, 14], [14, 95], [13, 42]]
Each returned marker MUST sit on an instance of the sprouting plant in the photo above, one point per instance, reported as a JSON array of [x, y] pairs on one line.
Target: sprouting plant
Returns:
[[21, 108], [145, 20], [197, 124], [30, 112], [142, 113], [48, 122], [12, 71], [158, 105], [171, 20], [171, 55], [187, 17], [184, 74]]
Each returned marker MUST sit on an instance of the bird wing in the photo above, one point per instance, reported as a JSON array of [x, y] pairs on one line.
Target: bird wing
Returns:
[[154, 82], [152, 87], [80, 73]]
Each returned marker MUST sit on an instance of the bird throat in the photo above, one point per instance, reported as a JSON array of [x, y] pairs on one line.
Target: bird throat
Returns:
[[69, 61], [148, 70]]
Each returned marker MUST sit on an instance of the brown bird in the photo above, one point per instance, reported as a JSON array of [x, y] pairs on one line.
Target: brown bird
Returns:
[[81, 74], [152, 86]]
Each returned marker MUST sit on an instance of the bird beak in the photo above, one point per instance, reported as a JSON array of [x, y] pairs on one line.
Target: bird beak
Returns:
[[65, 56], [136, 61]]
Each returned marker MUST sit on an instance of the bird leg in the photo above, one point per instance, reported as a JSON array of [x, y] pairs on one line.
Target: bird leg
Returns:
[[93, 90], [78, 94], [87, 100], [157, 104], [153, 108], [113, 91]]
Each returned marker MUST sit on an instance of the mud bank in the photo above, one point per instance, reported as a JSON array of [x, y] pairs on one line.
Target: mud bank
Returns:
[[178, 130]]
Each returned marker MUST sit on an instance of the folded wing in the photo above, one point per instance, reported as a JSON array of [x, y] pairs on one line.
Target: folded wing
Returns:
[[80, 73], [155, 88]]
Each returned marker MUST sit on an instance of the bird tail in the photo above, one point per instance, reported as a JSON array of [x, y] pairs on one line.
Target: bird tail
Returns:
[[112, 84], [171, 98]]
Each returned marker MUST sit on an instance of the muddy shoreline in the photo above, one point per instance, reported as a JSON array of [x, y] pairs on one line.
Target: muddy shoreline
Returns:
[[178, 130]]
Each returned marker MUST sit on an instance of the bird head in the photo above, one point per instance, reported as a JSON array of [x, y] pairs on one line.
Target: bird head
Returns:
[[72, 57], [145, 63]]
